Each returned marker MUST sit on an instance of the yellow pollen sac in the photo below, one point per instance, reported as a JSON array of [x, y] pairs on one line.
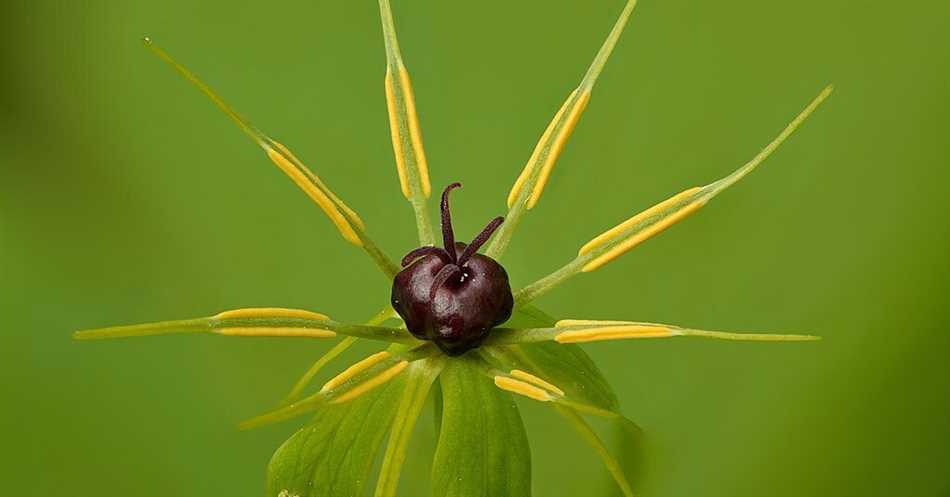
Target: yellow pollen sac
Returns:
[[394, 134], [354, 370], [613, 333], [533, 160], [554, 144], [316, 179], [530, 378], [306, 180], [521, 388], [275, 332], [558, 146], [371, 383], [270, 312], [642, 236], [412, 128], [616, 231], [415, 133]]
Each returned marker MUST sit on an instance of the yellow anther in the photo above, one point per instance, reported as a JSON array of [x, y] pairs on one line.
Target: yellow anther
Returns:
[[552, 142], [522, 388], [371, 383], [394, 134], [270, 312], [354, 370], [415, 133], [412, 128], [307, 181], [530, 378], [533, 160], [275, 332], [642, 236], [614, 333], [618, 230], [563, 134]]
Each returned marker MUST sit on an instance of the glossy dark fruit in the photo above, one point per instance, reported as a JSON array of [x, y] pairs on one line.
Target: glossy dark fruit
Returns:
[[452, 295]]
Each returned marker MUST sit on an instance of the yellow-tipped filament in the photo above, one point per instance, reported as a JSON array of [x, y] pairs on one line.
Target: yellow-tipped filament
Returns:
[[264, 331], [530, 378], [557, 145], [270, 312], [613, 333], [355, 369], [306, 180], [522, 388], [613, 233], [643, 235], [549, 147], [411, 127], [371, 383], [593, 331]]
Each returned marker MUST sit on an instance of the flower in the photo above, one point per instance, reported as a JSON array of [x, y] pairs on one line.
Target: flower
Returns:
[[482, 447]]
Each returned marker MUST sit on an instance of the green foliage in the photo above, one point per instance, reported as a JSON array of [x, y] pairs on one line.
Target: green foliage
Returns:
[[483, 450]]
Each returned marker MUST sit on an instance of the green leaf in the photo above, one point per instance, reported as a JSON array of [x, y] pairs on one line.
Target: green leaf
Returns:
[[483, 449], [334, 453]]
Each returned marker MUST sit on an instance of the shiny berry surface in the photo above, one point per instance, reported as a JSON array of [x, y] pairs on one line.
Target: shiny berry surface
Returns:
[[452, 295]]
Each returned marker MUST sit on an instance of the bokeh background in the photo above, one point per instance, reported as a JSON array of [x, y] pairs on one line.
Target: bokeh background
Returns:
[[126, 197]]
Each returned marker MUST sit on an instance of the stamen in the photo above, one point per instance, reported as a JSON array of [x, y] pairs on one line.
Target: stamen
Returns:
[[522, 388], [613, 333], [447, 272], [269, 312], [415, 133], [307, 180], [554, 151], [275, 332], [448, 235], [414, 140], [394, 131], [643, 236], [530, 378], [618, 230], [354, 370], [371, 383], [419, 252], [404, 129], [290, 165], [592, 331], [538, 149], [480, 240]]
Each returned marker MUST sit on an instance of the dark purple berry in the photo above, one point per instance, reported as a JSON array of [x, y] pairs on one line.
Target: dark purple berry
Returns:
[[452, 295]]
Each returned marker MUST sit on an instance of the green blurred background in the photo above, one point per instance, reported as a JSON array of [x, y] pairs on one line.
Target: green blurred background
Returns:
[[126, 197]]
